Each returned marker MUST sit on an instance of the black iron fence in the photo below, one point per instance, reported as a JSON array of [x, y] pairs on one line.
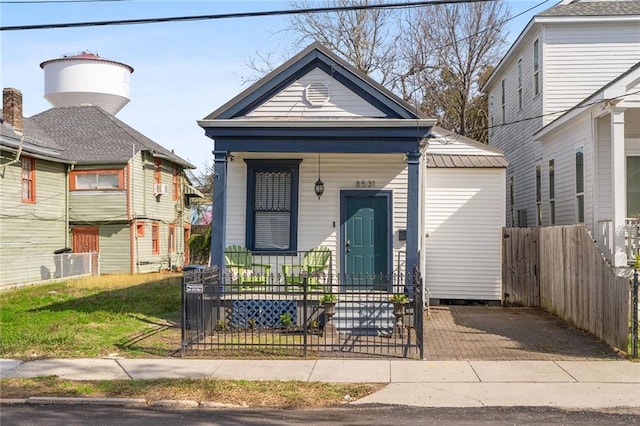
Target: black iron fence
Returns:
[[304, 315]]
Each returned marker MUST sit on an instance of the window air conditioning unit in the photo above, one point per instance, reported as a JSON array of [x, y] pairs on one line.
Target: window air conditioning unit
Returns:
[[159, 188]]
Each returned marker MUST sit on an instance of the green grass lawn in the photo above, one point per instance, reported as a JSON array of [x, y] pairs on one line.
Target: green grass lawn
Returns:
[[92, 317], [134, 316]]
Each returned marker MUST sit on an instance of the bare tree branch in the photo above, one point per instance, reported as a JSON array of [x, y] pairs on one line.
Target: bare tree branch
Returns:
[[434, 56]]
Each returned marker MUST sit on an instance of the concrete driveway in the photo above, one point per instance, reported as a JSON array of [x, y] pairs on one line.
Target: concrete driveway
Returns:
[[498, 333]]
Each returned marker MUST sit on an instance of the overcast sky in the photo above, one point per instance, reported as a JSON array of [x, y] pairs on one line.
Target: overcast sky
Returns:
[[183, 70]]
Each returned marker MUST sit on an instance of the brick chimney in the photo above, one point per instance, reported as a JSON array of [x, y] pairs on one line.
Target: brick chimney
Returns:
[[12, 107]]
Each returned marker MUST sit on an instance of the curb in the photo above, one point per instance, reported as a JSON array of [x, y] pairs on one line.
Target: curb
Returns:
[[181, 403], [118, 402], [43, 400]]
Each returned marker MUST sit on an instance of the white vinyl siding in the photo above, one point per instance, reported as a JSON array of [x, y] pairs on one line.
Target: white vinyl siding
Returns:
[[516, 140], [561, 147], [464, 227], [581, 58], [320, 219], [575, 60], [291, 102]]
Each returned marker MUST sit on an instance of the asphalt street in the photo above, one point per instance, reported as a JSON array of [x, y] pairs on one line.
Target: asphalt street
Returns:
[[71, 415]]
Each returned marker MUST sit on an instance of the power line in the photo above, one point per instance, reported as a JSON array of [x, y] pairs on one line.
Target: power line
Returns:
[[59, 1], [561, 112], [285, 12], [496, 25]]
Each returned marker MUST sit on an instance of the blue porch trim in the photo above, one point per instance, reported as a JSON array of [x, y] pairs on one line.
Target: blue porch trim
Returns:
[[379, 132], [343, 219], [413, 185], [219, 209], [310, 140]]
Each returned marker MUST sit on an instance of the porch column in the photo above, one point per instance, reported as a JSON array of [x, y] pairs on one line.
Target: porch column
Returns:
[[619, 186], [219, 209], [413, 230]]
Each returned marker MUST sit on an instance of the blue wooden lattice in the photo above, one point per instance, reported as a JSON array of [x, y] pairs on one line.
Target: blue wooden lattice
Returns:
[[265, 313]]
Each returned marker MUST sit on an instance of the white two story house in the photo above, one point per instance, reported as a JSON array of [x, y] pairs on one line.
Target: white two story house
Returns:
[[564, 106]]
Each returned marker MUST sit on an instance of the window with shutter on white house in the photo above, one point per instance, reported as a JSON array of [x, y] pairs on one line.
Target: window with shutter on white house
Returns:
[[272, 200]]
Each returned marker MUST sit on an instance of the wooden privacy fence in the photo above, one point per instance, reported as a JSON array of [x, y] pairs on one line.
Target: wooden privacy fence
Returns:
[[561, 270]]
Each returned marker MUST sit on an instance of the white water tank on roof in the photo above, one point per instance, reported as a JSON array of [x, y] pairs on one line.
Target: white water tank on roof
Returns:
[[86, 79]]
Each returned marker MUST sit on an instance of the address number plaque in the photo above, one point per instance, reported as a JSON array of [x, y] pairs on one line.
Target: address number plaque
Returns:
[[365, 184]]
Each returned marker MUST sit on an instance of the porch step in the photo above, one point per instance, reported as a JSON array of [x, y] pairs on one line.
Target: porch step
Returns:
[[364, 318]]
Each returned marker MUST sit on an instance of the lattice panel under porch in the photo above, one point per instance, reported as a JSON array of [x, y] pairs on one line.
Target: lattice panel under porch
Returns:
[[265, 313]]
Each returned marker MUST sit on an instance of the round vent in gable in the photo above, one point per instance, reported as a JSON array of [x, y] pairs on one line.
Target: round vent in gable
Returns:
[[317, 93]]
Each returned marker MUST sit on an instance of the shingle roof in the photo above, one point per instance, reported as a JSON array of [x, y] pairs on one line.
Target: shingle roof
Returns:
[[12, 141], [465, 161], [35, 144], [594, 8], [90, 135]]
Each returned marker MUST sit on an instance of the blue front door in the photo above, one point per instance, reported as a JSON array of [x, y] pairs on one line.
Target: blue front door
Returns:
[[366, 240]]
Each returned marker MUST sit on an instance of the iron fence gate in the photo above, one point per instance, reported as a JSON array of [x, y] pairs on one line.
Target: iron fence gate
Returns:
[[343, 316]]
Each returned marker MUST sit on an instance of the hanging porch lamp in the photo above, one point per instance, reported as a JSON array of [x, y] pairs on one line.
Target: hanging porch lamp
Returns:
[[319, 187]]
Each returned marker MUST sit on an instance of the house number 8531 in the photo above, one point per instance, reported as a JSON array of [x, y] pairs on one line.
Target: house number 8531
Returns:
[[365, 183]]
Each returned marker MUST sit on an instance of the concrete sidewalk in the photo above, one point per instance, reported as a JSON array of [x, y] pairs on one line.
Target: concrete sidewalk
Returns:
[[567, 384]]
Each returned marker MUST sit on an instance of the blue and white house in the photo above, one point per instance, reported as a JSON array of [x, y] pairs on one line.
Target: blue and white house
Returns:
[[318, 154]]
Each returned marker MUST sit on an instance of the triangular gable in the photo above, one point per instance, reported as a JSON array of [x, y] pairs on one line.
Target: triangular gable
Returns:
[[316, 95], [316, 57]]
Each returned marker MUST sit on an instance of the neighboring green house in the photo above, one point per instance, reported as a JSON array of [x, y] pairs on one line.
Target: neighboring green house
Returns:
[[116, 191], [33, 213]]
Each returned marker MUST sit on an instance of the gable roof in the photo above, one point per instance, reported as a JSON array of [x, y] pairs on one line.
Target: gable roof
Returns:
[[90, 135], [316, 56]]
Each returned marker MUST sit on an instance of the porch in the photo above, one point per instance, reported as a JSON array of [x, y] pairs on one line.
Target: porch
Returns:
[[605, 237]]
